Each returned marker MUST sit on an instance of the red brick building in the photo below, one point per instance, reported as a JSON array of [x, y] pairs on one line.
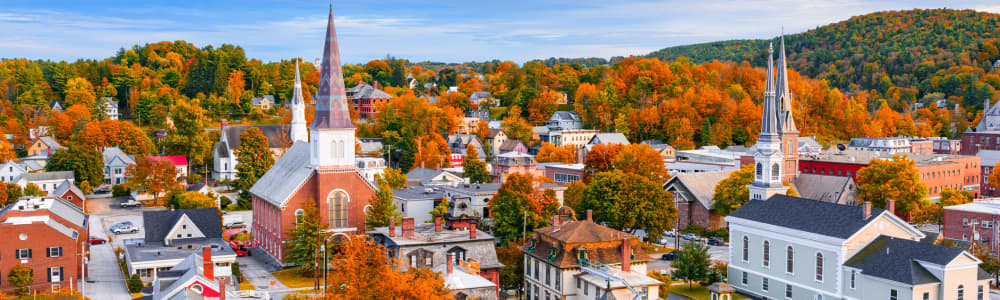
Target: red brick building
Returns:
[[989, 160], [693, 197], [976, 221], [972, 142], [563, 173], [937, 171], [322, 170], [46, 234], [366, 99], [943, 146]]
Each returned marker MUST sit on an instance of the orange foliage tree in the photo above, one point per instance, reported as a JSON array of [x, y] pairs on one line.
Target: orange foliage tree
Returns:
[[552, 153], [600, 158], [360, 269], [641, 160]]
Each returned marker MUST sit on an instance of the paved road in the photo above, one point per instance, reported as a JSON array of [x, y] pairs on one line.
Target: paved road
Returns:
[[104, 280], [718, 253]]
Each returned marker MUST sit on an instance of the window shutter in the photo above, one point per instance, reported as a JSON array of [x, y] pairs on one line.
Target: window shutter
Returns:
[[48, 252], [29, 252], [62, 275], [60, 251], [49, 274]]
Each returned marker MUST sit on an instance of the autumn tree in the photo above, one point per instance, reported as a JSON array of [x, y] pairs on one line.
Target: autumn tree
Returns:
[[732, 192], [302, 246], [600, 158], [516, 127], [152, 176], [455, 99], [383, 206], [235, 85], [191, 200], [552, 153], [87, 165], [79, 90], [642, 160], [993, 179], [951, 197], [13, 191], [188, 136], [4, 196], [32, 189], [519, 196], [473, 168], [360, 269], [512, 258], [629, 202], [432, 152], [394, 178], [20, 277], [255, 157], [7, 151], [896, 179]]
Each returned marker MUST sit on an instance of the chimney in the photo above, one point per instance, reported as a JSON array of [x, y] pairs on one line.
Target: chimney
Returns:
[[590, 215], [422, 164], [437, 224], [555, 222], [451, 262], [890, 205], [408, 227], [208, 267], [626, 255], [222, 289], [472, 231], [375, 85], [392, 226], [866, 210]]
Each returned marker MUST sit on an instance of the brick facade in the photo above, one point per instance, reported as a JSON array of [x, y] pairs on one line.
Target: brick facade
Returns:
[[972, 142], [39, 237], [957, 225]]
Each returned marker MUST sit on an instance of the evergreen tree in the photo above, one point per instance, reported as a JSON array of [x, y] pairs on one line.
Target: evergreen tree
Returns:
[[692, 262], [382, 206], [474, 168], [301, 248], [87, 165]]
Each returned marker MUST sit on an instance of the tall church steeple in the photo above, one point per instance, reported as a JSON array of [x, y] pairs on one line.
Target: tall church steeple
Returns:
[[332, 133], [768, 157], [299, 131], [789, 133]]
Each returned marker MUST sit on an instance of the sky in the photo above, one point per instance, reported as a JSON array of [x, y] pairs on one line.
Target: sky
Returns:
[[435, 30]]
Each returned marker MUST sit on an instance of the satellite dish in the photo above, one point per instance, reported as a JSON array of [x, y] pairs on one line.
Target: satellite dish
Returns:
[[841, 147]]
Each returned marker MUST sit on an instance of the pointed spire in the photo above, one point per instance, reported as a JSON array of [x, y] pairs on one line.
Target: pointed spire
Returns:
[[297, 96], [331, 99], [299, 131], [769, 126], [784, 95]]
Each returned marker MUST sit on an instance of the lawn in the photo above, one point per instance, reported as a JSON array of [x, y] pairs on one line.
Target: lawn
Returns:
[[291, 278], [654, 249], [246, 286], [696, 291]]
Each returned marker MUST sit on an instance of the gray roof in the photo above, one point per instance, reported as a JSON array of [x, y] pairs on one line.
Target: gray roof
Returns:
[[257, 100], [823, 218], [51, 142], [110, 153], [422, 174], [826, 188], [57, 206], [482, 248], [565, 115], [158, 223], [809, 141], [365, 91], [700, 185], [480, 95], [68, 186], [896, 259], [458, 142], [473, 188], [412, 194], [54, 175], [610, 138], [286, 175], [273, 133], [156, 251]]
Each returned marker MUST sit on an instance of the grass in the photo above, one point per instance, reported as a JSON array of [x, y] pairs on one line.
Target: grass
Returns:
[[696, 291], [136, 295], [654, 249], [293, 279], [246, 286]]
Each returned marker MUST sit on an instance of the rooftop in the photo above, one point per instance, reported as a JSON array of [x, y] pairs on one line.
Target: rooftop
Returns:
[[902, 260], [986, 206], [424, 233], [813, 216], [863, 157], [156, 251]]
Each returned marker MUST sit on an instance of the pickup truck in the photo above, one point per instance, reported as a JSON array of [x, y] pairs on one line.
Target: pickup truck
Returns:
[[131, 203]]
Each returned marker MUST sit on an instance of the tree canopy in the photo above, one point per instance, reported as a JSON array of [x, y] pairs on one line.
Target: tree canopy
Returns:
[[896, 179], [629, 202]]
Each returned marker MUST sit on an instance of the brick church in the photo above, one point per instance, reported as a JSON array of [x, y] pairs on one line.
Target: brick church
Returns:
[[319, 167]]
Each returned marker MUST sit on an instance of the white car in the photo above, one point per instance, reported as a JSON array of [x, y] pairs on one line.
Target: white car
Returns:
[[124, 228]]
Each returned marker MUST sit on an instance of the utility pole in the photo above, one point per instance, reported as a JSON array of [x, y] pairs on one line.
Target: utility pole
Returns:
[[390, 156], [524, 227], [325, 263], [83, 269]]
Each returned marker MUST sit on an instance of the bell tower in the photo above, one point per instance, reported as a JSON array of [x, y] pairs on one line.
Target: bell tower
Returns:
[[332, 133], [768, 160]]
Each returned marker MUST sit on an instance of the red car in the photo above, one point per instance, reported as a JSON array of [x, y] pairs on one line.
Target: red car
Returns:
[[97, 240]]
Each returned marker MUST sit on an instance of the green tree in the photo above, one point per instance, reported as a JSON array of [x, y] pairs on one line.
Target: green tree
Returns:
[[895, 179], [441, 209], [14, 191], [191, 200], [692, 262], [189, 137], [21, 277], [519, 196], [134, 284], [629, 202], [516, 127], [301, 250], [951, 197], [383, 206], [512, 258], [32, 189], [87, 165], [473, 168], [395, 178], [732, 192], [255, 157]]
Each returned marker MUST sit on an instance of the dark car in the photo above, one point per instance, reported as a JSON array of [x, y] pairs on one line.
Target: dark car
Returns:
[[669, 256], [97, 240], [714, 241]]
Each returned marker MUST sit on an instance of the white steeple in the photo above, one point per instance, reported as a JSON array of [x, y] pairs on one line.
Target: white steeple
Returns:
[[768, 159], [299, 131]]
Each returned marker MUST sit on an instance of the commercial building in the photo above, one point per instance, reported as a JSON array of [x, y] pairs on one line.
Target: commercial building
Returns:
[[49, 236]]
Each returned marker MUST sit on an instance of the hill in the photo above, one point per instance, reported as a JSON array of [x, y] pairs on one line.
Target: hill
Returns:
[[912, 53]]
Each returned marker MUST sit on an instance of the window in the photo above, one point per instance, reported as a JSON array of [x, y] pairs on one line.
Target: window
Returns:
[[961, 292], [299, 214], [763, 284], [586, 289], [536, 270], [893, 295], [558, 279], [53, 252], [759, 170], [548, 274], [927, 296], [23, 253], [745, 280], [337, 203], [746, 249], [577, 282], [527, 266], [788, 290], [143, 272], [788, 260], [775, 172], [853, 275], [819, 266], [979, 293], [767, 253], [55, 274]]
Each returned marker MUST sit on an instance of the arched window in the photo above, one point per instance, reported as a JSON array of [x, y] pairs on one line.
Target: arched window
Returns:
[[775, 172], [337, 204], [746, 249], [961, 292], [459, 254], [819, 266], [299, 214], [767, 253], [760, 170], [788, 260]]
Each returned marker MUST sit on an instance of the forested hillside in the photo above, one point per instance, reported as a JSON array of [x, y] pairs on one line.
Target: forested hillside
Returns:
[[902, 55]]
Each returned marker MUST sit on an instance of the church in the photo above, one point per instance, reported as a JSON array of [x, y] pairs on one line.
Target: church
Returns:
[[319, 167]]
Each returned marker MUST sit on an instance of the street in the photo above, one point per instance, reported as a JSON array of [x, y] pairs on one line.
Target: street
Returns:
[[718, 253], [104, 280]]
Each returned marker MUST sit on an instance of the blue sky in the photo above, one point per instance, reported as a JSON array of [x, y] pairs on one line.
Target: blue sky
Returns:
[[445, 30]]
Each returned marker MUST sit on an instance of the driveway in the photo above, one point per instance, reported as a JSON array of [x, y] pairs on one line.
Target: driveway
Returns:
[[258, 272], [105, 279]]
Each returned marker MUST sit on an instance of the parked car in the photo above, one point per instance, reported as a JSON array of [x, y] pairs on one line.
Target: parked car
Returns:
[[124, 227], [690, 236], [233, 221], [130, 203], [669, 256], [669, 234], [716, 241], [97, 240], [102, 191]]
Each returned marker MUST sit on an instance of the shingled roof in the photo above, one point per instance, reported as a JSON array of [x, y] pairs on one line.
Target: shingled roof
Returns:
[[897, 259], [286, 175], [829, 219], [700, 185], [272, 132], [572, 236], [158, 223]]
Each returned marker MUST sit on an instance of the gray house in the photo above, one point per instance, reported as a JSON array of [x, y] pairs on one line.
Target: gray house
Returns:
[[795, 248], [565, 120], [115, 164], [173, 235]]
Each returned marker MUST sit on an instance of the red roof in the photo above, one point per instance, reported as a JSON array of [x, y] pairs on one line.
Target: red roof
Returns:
[[178, 160]]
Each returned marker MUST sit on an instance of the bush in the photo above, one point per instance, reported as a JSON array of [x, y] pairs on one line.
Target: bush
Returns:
[[120, 190], [236, 272], [134, 284], [696, 229], [719, 233]]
